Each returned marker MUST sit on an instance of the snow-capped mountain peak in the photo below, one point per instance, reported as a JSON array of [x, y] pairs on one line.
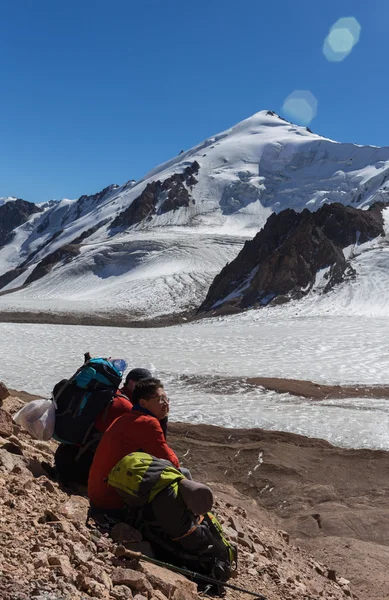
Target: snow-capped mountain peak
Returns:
[[153, 246]]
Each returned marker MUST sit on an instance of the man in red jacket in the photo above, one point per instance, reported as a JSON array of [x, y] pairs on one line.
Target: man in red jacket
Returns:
[[137, 430]]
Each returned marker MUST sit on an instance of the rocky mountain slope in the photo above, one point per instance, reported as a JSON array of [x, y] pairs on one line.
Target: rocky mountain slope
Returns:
[[291, 255], [152, 248], [13, 213], [48, 551]]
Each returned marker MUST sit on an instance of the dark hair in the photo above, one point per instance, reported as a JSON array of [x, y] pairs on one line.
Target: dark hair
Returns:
[[145, 388], [138, 374]]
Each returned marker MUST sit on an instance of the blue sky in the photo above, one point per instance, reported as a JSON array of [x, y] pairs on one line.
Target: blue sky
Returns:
[[97, 92]]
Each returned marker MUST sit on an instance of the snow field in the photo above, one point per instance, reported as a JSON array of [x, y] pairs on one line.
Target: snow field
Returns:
[[196, 361]]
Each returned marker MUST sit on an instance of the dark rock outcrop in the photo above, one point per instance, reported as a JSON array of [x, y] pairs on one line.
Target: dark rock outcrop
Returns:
[[65, 254], [282, 261], [10, 275], [13, 214], [171, 194], [84, 205]]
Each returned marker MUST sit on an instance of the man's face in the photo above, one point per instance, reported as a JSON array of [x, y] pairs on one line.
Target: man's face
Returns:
[[158, 404]]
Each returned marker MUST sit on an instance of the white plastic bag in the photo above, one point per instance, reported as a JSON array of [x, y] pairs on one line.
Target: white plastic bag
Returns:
[[38, 417]]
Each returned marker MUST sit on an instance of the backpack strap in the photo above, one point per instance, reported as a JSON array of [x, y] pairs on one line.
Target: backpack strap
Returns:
[[191, 530], [106, 409]]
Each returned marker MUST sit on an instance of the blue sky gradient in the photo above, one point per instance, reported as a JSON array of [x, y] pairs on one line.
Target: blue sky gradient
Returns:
[[97, 92]]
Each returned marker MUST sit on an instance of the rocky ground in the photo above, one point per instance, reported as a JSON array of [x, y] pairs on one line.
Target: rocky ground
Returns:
[[278, 496], [98, 319]]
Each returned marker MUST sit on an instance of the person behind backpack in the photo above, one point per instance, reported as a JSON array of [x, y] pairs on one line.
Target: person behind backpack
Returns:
[[138, 429], [175, 514], [73, 461], [132, 377]]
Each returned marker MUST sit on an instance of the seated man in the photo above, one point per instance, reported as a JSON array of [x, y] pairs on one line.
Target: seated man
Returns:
[[136, 430], [73, 463], [132, 377], [171, 518]]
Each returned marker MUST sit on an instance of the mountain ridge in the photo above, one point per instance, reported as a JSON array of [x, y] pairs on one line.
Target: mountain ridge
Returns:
[[152, 248], [293, 254]]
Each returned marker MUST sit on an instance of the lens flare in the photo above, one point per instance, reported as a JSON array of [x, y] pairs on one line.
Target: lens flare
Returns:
[[300, 106], [341, 39]]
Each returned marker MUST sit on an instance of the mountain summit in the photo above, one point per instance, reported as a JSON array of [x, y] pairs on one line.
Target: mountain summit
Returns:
[[151, 248]]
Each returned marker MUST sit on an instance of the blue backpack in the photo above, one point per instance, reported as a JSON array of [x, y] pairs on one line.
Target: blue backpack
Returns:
[[81, 398]]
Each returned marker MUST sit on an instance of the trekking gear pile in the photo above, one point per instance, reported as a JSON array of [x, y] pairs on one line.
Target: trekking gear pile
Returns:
[[218, 560], [139, 478], [149, 476]]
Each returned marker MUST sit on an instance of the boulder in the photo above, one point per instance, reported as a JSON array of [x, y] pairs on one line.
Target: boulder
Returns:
[[122, 592], [7, 461], [4, 393], [93, 587], [62, 564], [173, 585], [75, 509], [96, 572], [136, 580], [6, 423], [40, 560], [79, 554], [236, 525], [158, 595]]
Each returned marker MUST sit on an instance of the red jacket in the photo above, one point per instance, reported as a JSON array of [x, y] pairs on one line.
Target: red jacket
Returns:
[[119, 405], [133, 431]]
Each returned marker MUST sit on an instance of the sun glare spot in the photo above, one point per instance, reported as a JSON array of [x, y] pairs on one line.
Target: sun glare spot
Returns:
[[341, 39], [300, 106]]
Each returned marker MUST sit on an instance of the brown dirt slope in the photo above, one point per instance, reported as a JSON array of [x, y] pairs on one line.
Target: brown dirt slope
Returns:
[[317, 391], [47, 551], [333, 502]]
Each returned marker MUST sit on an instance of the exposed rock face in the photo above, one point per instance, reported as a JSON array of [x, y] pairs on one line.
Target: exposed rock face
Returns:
[[10, 275], [282, 261], [240, 193], [65, 253], [74, 211], [13, 214], [160, 197]]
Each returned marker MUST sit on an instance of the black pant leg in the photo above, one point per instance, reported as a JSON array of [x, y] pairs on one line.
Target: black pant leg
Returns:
[[70, 467]]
